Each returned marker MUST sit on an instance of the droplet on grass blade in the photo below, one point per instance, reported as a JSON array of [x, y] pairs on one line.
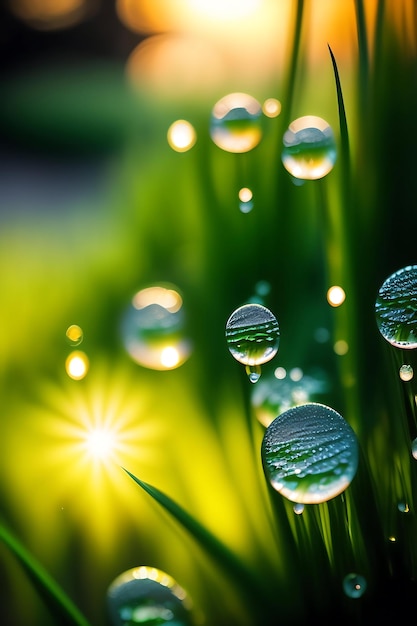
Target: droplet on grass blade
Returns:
[[153, 328], [354, 585], [396, 308], [235, 124], [74, 335], [146, 595], [252, 335], [414, 448], [406, 373], [310, 453], [309, 149], [298, 508]]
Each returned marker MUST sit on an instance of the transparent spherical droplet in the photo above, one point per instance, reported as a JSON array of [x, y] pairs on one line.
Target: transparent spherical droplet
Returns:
[[403, 507], [153, 328], [354, 585], [146, 595], [252, 334], [396, 308], [406, 372], [414, 448], [309, 149], [298, 508], [74, 335], [277, 392], [235, 124], [310, 453], [181, 136]]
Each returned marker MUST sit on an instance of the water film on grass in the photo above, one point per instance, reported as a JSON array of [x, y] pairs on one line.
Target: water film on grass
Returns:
[[153, 328], [252, 335], [396, 308], [309, 149], [146, 595], [310, 453], [235, 123]]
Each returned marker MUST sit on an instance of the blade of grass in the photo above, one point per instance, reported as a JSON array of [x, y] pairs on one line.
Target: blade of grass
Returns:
[[292, 65], [59, 604], [363, 54], [251, 586], [344, 134]]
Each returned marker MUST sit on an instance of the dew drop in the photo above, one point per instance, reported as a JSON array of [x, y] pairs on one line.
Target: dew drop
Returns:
[[403, 507], [310, 453], [406, 373], [414, 448], [396, 308], [153, 328], [354, 585], [74, 335], [146, 595], [252, 335], [235, 124], [298, 508], [253, 372], [309, 148]]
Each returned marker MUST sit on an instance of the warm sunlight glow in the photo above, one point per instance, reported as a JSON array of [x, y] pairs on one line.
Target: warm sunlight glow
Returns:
[[245, 194], [74, 334], [100, 443], [77, 365], [170, 357], [223, 9], [50, 14], [181, 136], [167, 298], [336, 296], [271, 107]]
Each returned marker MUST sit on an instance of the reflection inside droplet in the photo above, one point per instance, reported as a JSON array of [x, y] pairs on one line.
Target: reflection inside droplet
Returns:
[[309, 149], [252, 335], [310, 453], [354, 585], [146, 595], [406, 372], [235, 124], [153, 328], [396, 308]]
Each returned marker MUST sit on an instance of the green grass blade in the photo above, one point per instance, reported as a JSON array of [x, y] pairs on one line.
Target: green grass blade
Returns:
[[344, 134], [292, 66], [251, 586], [59, 604], [363, 54]]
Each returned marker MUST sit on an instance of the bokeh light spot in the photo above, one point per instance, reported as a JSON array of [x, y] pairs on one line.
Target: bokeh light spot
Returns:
[[336, 296], [77, 365], [181, 136]]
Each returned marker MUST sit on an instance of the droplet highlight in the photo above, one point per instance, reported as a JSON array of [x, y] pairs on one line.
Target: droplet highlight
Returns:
[[309, 149], [310, 454], [354, 585], [298, 508], [245, 200], [406, 373], [396, 308], [235, 124], [77, 365], [146, 595], [153, 328], [252, 335], [336, 295]]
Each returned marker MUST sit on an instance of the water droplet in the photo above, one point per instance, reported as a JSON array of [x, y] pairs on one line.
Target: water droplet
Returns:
[[403, 507], [354, 585], [74, 335], [245, 200], [76, 365], [310, 453], [271, 107], [396, 308], [253, 372], [235, 124], [414, 448], [309, 148], [146, 595], [252, 335], [153, 328], [298, 508], [181, 136], [406, 372], [336, 296]]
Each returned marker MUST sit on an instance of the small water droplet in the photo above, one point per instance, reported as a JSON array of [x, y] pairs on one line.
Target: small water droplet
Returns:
[[310, 453], [253, 372], [298, 508], [406, 373], [296, 374], [235, 124], [354, 585], [414, 448], [245, 200], [153, 328], [252, 335], [396, 308], [146, 595], [74, 335], [403, 507], [309, 148]]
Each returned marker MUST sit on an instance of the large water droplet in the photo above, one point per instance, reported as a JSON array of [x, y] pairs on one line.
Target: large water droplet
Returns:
[[309, 148], [354, 585], [310, 453], [396, 308], [252, 335], [146, 595], [153, 328], [235, 124]]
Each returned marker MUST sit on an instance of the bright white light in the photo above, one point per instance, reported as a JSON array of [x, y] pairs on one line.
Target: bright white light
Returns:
[[181, 136], [100, 443], [336, 296], [170, 357], [76, 365]]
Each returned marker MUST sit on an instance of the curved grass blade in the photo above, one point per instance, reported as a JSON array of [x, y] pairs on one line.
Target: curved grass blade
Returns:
[[344, 135], [58, 603], [293, 63], [251, 586]]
